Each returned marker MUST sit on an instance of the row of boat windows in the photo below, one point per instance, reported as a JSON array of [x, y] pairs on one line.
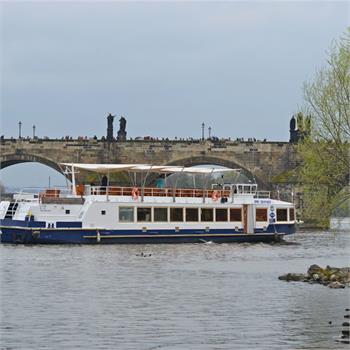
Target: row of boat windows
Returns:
[[148, 214]]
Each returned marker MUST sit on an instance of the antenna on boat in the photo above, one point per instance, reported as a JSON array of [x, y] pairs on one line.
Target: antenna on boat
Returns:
[[64, 173], [107, 189], [72, 172]]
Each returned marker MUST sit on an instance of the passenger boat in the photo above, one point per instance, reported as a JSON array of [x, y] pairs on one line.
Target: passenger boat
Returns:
[[88, 214]]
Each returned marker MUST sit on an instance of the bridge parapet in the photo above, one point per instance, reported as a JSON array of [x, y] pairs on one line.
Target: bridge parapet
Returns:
[[91, 140]]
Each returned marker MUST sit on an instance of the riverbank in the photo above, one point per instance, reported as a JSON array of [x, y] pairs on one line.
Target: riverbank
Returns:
[[340, 224], [333, 277]]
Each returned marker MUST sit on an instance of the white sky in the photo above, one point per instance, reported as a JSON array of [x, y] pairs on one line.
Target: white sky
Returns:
[[167, 67]]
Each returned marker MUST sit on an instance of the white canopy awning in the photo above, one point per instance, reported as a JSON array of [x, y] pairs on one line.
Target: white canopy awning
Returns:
[[111, 168], [145, 167], [101, 168], [194, 170]]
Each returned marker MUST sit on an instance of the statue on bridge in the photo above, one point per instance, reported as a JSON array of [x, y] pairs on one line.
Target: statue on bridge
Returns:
[[122, 129], [110, 119]]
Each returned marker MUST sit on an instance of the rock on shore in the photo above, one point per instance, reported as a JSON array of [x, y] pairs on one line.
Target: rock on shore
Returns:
[[333, 277]]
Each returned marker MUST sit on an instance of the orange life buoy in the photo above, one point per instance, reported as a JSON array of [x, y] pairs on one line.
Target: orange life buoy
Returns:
[[215, 195], [135, 193]]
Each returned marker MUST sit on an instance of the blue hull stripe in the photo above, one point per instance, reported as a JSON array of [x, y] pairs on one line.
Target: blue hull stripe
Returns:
[[21, 223], [18, 234]]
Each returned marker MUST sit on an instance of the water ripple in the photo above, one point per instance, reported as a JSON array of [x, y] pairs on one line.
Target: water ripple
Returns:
[[195, 296]]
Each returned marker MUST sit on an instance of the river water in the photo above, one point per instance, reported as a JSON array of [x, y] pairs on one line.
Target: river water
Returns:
[[195, 296]]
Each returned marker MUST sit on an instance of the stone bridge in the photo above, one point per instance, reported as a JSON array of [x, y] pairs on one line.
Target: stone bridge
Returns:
[[262, 161]]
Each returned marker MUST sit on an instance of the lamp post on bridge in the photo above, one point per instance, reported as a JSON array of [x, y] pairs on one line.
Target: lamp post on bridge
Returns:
[[33, 132], [203, 125], [20, 130], [209, 131]]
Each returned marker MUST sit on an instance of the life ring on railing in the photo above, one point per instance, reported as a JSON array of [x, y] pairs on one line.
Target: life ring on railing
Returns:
[[135, 193], [215, 195]]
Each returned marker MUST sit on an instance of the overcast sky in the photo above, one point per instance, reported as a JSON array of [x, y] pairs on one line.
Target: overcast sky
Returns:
[[167, 67]]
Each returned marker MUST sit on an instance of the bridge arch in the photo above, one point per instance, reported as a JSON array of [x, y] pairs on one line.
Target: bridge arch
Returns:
[[7, 160], [192, 161]]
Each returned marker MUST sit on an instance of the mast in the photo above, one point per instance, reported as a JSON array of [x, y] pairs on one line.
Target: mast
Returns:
[[73, 181]]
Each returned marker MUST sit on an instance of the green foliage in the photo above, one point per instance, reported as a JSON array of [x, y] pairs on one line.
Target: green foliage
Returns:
[[325, 152], [300, 121], [307, 125]]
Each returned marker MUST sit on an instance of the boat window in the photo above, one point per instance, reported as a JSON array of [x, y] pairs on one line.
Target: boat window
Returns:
[[261, 214], [192, 214], [176, 214], [67, 211], [160, 214], [126, 214], [282, 215], [247, 189], [235, 214], [103, 212], [144, 214], [206, 214], [291, 214], [221, 214]]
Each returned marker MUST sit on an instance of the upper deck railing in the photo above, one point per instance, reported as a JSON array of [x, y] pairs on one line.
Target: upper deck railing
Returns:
[[153, 192], [263, 194], [136, 192]]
